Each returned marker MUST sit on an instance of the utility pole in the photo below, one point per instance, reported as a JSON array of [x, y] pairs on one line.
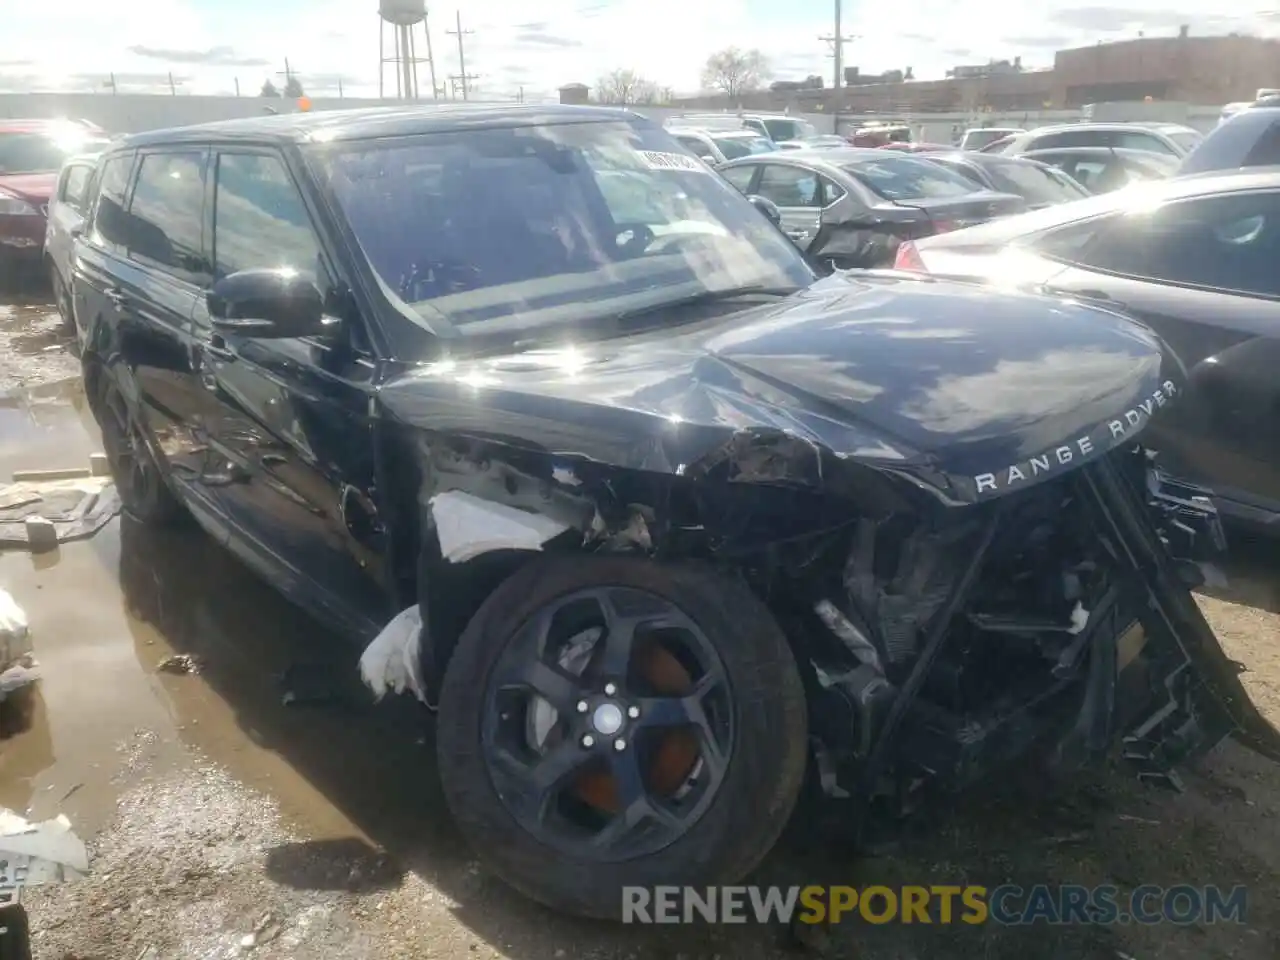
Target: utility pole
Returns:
[[463, 76], [173, 89], [288, 75], [237, 86], [837, 41]]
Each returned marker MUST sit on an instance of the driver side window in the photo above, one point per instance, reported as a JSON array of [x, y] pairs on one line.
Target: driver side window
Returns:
[[259, 218]]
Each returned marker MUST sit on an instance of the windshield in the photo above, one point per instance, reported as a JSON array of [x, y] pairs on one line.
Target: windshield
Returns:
[[503, 230], [906, 178], [1037, 183], [788, 129], [738, 146], [42, 151]]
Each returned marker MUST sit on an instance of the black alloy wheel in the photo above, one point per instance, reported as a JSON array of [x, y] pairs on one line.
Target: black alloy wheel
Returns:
[[139, 482], [611, 721]]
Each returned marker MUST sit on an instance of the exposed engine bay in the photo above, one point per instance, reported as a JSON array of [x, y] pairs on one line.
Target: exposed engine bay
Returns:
[[1035, 629]]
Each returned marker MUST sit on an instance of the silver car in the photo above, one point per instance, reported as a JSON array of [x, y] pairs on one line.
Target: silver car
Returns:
[[68, 208]]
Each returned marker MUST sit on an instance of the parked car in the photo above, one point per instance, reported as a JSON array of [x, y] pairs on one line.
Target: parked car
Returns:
[[1103, 169], [879, 134], [31, 153], [1195, 259], [720, 146], [640, 498], [975, 138], [851, 208], [1251, 138], [67, 209], [827, 140], [917, 146], [1171, 139], [776, 126], [1039, 184]]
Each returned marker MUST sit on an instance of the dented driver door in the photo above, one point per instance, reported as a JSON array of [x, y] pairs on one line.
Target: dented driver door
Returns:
[[290, 421]]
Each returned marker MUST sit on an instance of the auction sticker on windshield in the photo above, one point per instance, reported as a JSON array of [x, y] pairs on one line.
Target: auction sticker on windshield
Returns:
[[655, 160]]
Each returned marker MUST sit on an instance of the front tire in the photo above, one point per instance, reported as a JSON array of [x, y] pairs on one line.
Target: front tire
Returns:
[[139, 480], [583, 749]]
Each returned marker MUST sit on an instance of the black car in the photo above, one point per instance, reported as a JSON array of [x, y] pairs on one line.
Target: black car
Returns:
[[544, 413], [1039, 184], [1250, 138], [850, 207], [1194, 258], [1103, 169]]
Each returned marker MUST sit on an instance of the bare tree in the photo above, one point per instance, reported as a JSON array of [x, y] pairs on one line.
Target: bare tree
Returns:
[[625, 86], [734, 72], [293, 88]]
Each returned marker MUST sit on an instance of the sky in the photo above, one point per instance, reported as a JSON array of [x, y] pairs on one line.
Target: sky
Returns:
[[538, 45]]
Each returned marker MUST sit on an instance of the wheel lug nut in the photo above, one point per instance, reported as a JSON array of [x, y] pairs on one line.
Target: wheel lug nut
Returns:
[[619, 745], [588, 741], [610, 689], [582, 706], [633, 712]]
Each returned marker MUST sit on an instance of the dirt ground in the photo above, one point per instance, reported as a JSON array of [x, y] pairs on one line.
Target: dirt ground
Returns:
[[262, 806]]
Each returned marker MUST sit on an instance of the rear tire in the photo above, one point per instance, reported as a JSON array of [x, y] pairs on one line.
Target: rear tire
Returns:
[[754, 789], [140, 481], [62, 300]]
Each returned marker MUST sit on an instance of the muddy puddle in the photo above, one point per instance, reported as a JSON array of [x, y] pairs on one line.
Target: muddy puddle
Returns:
[[35, 347]]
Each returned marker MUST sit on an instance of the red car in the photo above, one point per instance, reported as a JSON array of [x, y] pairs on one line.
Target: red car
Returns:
[[31, 153]]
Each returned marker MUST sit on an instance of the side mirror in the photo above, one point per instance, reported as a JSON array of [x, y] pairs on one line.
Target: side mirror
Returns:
[[268, 304], [767, 207], [76, 230]]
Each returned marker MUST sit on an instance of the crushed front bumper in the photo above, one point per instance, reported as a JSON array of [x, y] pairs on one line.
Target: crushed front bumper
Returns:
[[1165, 535]]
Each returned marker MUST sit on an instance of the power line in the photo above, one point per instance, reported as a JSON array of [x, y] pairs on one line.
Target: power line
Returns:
[[462, 77]]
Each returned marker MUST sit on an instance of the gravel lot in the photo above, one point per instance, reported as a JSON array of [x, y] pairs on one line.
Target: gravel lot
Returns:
[[262, 806]]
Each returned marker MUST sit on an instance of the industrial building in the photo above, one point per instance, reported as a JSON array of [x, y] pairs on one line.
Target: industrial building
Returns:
[[1186, 69]]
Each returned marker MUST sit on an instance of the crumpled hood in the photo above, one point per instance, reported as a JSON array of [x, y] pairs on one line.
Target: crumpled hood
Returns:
[[971, 391]]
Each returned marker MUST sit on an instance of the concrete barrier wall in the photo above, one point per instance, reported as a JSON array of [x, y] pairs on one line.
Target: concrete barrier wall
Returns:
[[134, 112]]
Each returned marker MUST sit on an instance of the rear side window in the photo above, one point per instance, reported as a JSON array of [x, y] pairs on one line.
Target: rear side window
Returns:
[[906, 178], [1226, 243], [167, 212], [1266, 150], [969, 174], [696, 147], [109, 219]]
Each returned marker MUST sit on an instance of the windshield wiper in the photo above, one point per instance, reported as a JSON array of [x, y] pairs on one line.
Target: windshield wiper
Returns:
[[706, 297]]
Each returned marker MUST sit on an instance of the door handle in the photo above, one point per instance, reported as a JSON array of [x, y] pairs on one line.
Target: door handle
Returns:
[[116, 296], [217, 348], [798, 234]]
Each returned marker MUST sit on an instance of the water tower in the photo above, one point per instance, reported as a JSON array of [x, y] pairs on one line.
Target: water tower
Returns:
[[402, 16]]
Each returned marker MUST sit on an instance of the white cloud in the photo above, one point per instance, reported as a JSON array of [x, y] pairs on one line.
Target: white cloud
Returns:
[[75, 43]]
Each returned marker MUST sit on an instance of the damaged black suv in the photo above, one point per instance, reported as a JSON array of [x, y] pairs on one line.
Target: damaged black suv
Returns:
[[548, 415]]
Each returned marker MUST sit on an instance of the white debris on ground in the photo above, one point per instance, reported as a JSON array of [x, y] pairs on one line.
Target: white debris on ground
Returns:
[[468, 526], [392, 660], [18, 668], [42, 508], [35, 853]]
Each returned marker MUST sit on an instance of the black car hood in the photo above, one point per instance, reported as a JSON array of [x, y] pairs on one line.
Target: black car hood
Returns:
[[968, 391]]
